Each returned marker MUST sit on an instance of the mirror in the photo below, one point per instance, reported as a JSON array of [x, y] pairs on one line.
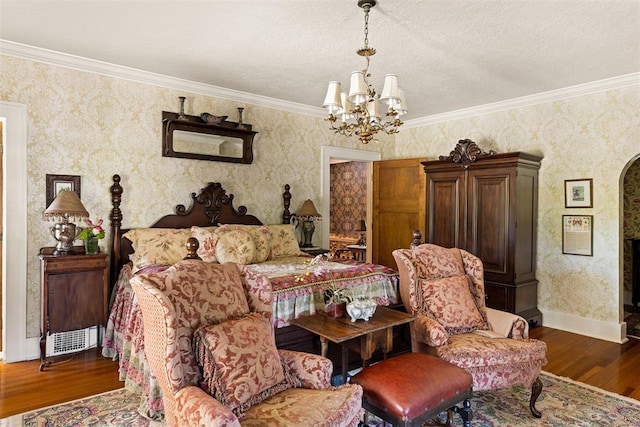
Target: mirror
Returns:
[[190, 137]]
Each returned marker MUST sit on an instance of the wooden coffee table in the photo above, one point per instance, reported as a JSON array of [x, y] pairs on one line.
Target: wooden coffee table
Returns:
[[360, 336]]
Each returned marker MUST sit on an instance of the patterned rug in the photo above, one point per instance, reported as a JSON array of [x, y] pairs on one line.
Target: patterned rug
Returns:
[[563, 402]]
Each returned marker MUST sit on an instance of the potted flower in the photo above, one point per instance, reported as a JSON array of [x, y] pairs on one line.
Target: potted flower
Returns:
[[336, 300], [91, 236]]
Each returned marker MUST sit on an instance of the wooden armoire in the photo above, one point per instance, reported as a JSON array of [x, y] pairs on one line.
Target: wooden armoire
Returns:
[[487, 204]]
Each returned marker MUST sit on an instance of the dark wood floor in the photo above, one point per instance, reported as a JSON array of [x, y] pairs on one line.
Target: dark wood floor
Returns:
[[603, 364]]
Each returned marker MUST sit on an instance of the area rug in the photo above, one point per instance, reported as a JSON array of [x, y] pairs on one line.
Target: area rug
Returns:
[[116, 408], [563, 402]]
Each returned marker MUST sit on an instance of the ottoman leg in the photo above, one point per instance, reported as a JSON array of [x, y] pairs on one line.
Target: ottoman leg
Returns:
[[465, 412]]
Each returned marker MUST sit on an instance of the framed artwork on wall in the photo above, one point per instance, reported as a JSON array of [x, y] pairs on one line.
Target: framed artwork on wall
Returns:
[[55, 183], [577, 235], [578, 193]]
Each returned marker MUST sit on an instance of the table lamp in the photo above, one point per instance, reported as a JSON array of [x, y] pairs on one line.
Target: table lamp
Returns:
[[308, 214], [66, 205], [362, 229]]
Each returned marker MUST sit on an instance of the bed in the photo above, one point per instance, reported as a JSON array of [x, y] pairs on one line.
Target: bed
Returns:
[[298, 280]]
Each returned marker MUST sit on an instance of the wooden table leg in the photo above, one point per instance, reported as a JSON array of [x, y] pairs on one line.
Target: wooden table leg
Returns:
[[324, 346]]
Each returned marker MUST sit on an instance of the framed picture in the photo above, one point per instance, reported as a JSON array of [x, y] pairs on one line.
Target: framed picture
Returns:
[[55, 183], [578, 193], [577, 234]]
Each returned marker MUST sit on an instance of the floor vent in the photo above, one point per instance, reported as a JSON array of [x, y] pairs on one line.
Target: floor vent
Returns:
[[71, 341]]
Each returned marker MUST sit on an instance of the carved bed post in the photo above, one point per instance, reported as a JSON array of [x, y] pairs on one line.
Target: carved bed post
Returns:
[[286, 197], [115, 216], [417, 239]]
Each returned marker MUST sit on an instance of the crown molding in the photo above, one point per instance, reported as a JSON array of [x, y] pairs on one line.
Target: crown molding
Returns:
[[23, 51], [527, 101], [60, 59]]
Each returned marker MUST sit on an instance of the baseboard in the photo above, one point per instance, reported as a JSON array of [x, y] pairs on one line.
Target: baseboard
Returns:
[[609, 331]]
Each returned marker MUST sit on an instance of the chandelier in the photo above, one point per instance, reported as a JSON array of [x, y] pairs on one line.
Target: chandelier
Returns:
[[358, 112]]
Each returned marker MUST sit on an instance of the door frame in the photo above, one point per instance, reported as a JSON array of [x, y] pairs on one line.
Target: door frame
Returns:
[[14, 268], [328, 153]]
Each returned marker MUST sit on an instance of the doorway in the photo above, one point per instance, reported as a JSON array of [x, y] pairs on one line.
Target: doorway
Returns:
[[14, 224], [330, 154], [631, 247]]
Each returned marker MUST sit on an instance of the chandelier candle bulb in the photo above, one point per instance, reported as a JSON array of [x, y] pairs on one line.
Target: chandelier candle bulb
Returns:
[[332, 101], [345, 113], [390, 95], [358, 91]]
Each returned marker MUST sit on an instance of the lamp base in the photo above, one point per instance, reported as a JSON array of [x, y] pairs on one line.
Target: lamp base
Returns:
[[65, 234]]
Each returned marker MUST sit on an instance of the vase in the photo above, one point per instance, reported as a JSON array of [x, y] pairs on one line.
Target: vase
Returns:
[[91, 246], [336, 309]]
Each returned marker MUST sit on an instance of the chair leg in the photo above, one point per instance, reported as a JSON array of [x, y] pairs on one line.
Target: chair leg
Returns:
[[536, 389]]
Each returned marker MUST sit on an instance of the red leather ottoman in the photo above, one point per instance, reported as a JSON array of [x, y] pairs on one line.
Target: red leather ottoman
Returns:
[[412, 388]]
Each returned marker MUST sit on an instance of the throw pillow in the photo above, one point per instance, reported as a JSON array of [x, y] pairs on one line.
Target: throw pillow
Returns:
[[283, 241], [261, 239], [157, 246], [450, 302], [234, 245], [207, 238], [240, 362]]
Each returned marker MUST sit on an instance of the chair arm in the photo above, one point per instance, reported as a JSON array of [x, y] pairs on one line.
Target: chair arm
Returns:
[[429, 331], [312, 370], [194, 407], [508, 325]]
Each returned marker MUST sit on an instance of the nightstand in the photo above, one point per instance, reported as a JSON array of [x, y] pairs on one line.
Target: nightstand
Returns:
[[74, 294], [314, 251]]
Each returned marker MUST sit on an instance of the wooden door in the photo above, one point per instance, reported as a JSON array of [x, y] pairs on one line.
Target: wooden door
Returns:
[[398, 207], [491, 220], [446, 207]]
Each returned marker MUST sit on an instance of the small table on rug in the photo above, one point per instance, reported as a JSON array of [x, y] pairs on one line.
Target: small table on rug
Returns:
[[360, 336]]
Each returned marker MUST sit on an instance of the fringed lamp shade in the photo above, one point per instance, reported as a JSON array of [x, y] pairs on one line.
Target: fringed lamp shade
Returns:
[[308, 214], [308, 210], [66, 205]]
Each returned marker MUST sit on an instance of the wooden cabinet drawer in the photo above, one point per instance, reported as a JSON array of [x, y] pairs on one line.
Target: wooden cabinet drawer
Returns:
[[80, 263], [496, 297]]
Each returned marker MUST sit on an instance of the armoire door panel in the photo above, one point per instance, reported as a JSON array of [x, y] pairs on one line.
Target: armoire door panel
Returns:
[[489, 221], [445, 210]]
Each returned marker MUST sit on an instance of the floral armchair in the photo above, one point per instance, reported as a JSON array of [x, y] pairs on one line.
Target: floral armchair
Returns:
[[210, 342], [444, 289]]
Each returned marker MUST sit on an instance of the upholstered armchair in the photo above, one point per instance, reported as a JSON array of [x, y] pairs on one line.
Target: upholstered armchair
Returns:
[[444, 289], [210, 342]]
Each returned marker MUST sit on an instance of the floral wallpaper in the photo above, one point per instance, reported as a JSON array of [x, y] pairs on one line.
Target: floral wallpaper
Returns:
[[348, 201], [91, 125]]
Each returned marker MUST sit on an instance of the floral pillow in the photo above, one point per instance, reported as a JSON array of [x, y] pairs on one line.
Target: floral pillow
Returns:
[[207, 240], [283, 241], [240, 362], [450, 302], [157, 246], [261, 239], [235, 245]]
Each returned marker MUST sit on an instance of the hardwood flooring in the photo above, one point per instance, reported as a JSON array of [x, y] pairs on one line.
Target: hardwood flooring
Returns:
[[24, 388], [610, 366]]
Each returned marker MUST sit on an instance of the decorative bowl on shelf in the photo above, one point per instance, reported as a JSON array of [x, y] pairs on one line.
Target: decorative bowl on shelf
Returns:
[[361, 308]]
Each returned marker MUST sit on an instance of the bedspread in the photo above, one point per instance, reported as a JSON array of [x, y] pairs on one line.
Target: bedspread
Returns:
[[298, 284]]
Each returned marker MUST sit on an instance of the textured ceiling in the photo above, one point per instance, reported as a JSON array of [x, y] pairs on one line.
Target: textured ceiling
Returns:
[[448, 54]]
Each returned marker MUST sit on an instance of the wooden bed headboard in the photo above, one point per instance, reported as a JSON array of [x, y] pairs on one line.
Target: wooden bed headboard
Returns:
[[212, 206]]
